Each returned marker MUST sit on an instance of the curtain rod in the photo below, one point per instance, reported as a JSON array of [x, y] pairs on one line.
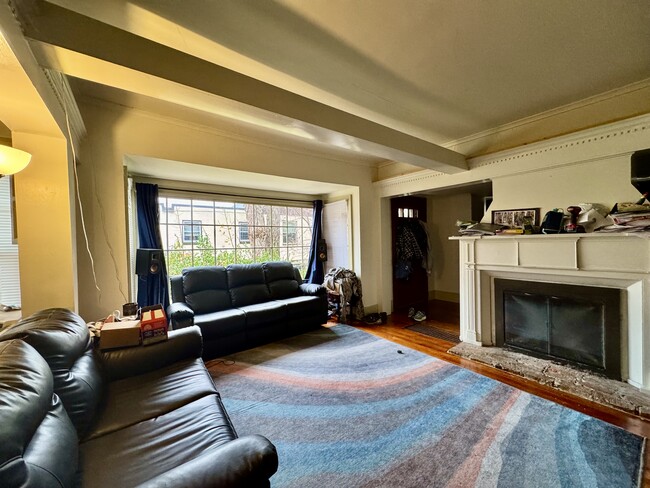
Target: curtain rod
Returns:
[[235, 195]]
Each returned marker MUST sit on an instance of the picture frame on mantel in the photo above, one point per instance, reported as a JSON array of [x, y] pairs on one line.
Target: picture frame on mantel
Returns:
[[514, 218]]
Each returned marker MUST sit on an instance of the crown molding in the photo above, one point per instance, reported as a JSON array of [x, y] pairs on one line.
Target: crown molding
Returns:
[[533, 119], [600, 142]]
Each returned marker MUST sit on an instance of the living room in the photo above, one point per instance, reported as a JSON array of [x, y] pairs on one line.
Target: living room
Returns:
[[560, 130]]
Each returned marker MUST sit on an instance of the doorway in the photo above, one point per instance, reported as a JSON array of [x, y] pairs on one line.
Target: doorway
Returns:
[[410, 278]]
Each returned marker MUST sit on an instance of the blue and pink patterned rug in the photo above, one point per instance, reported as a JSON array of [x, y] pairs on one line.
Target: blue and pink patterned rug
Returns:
[[348, 409]]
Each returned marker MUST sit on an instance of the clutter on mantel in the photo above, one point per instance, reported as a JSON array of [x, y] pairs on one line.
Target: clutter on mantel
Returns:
[[624, 217]]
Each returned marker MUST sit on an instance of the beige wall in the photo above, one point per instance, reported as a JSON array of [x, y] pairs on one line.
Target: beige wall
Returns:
[[605, 180], [44, 206], [442, 214], [114, 132]]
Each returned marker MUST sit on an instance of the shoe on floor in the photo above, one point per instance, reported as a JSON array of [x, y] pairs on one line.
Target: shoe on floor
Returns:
[[419, 316], [411, 312]]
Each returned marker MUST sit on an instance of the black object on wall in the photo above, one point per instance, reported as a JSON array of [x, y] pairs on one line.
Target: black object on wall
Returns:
[[322, 250], [640, 170], [148, 261]]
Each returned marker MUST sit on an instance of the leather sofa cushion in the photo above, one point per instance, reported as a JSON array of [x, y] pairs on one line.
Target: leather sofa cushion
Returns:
[[147, 396], [220, 324], [61, 337], [39, 446], [260, 314], [247, 284], [281, 279], [303, 306], [206, 289], [147, 449]]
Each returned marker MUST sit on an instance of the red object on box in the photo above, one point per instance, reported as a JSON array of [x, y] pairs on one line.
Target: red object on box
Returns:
[[153, 324]]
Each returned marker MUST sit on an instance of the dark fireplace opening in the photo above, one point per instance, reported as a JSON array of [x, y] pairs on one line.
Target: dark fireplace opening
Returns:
[[572, 324]]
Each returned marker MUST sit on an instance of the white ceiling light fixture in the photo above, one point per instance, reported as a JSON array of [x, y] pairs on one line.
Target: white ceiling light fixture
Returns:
[[13, 160]]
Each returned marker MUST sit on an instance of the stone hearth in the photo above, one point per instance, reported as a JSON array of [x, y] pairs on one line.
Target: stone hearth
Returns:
[[577, 382]]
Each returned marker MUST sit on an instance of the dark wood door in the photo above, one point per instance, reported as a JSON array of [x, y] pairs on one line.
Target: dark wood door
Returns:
[[413, 290]]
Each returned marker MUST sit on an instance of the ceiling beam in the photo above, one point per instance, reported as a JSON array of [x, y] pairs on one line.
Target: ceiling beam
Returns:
[[66, 30]]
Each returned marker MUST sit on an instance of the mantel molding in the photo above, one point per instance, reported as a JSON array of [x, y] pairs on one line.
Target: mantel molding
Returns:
[[609, 140]]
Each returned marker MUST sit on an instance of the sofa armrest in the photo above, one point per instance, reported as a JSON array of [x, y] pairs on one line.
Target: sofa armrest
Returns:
[[312, 289], [131, 361], [246, 462], [180, 315]]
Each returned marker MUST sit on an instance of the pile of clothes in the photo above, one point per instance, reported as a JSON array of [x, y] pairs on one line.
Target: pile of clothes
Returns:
[[344, 290]]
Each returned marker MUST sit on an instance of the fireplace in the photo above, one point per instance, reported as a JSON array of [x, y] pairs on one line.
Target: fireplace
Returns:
[[577, 325], [619, 262]]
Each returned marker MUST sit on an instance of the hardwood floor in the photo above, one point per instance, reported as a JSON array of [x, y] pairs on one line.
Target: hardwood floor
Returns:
[[445, 315]]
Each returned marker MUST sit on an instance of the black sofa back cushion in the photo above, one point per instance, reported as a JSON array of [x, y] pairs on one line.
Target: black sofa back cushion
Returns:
[[39, 444], [206, 289], [281, 280], [61, 337], [247, 284]]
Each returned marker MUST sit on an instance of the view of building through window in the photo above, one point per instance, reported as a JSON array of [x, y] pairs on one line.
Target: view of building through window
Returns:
[[207, 233]]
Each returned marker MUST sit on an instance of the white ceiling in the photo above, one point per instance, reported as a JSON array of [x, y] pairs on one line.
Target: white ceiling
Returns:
[[380, 80]]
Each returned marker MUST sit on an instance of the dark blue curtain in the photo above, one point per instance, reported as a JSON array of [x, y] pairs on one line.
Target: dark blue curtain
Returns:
[[314, 272], [152, 289]]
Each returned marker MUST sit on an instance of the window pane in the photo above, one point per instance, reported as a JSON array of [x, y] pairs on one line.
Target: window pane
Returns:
[[306, 236], [175, 236], [244, 256], [279, 215], [162, 209], [203, 210], [206, 238], [224, 213], [225, 236], [262, 214], [261, 236], [204, 257], [177, 261], [224, 257], [308, 217]]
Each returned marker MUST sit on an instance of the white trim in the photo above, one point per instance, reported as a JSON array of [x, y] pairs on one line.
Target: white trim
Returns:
[[601, 97], [618, 138]]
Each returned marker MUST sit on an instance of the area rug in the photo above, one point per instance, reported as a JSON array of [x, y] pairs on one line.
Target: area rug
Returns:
[[584, 384], [432, 330], [347, 409]]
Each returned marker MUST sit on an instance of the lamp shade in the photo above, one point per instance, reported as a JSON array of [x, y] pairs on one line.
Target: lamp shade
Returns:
[[13, 160]]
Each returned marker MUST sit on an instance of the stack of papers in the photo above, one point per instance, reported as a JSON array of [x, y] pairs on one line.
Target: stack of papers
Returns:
[[480, 229]]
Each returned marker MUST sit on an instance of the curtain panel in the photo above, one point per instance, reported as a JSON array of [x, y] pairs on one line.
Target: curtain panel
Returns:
[[152, 288], [315, 272]]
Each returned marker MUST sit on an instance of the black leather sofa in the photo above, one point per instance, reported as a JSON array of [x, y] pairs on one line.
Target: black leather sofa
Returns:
[[244, 305], [142, 416]]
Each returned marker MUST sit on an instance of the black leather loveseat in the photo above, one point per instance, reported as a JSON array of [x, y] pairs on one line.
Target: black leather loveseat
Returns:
[[142, 416], [245, 305]]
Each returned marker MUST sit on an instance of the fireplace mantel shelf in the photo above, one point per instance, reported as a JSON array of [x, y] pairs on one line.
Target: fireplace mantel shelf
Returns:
[[612, 260], [601, 235]]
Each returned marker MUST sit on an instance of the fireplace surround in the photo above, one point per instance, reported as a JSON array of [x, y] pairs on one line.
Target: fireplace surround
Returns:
[[615, 261]]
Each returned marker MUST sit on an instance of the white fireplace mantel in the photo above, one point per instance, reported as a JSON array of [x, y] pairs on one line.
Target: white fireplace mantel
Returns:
[[619, 261]]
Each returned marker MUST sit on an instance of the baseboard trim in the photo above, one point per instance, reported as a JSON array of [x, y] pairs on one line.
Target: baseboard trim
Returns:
[[445, 296]]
